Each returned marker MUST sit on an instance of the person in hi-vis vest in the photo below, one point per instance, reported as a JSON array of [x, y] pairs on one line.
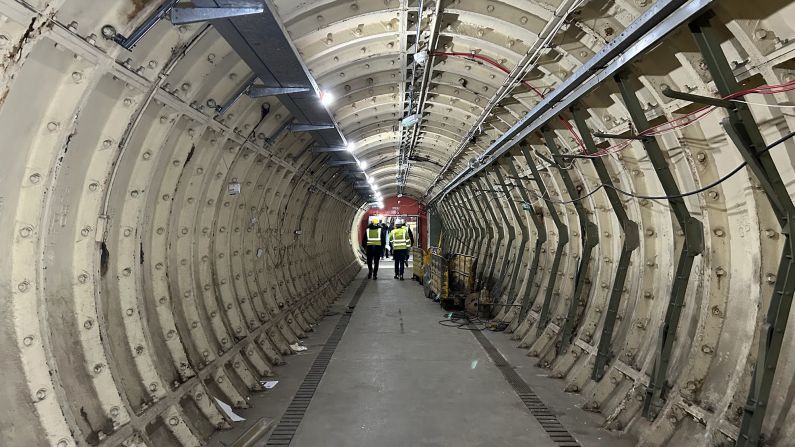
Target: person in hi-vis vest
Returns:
[[374, 240], [401, 240]]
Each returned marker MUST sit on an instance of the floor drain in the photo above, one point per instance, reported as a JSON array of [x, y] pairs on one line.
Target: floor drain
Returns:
[[292, 417], [548, 421]]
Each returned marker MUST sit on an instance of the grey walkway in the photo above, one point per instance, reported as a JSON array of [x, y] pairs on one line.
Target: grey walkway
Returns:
[[398, 378]]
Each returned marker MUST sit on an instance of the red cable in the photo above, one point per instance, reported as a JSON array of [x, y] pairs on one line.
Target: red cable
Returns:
[[675, 123]]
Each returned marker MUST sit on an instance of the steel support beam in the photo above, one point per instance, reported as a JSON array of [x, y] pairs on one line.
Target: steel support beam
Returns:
[[692, 247], [321, 150], [340, 162], [260, 91], [185, 15], [514, 277], [741, 127], [630, 243], [662, 17], [497, 283], [307, 127], [541, 239], [589, 233], [563, 239]]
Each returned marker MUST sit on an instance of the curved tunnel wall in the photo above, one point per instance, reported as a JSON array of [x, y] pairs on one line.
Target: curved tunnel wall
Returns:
[[715, 345], [137, 284]]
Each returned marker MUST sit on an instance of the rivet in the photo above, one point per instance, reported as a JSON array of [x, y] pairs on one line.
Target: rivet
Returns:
[[162, 300], [85, 231], [88, 324], [93, 186], [771, 278], [77, 76], [63, 443], [147, 155], [194, 324], [173, 420], [98, 368], [153, 387], [41, 394], [127, 102], [127, 232], [27, 341], [52, 126], [160, 230], [719, 232], [130, 312], [25, 231], [649, 232], [35, 178], [713, 195], [170, 334], [23, 286], [771, 233], [134, 193]]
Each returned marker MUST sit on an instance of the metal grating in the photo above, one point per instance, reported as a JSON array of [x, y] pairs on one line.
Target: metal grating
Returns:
[[546, 418], [288, 425]]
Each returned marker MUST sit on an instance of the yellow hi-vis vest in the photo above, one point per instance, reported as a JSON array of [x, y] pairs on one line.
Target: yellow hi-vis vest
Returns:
[[373, 236], [400, 239]]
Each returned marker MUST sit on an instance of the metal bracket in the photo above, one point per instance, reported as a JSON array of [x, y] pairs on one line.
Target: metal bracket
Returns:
[[631, 242], [616, 137], [184, 15], [128, 43], [717, 102], [488, 230], [260, 91], [563, 239], [223, 108], [590, 238], [305, 127], [320, 150], [744, 132], [694, 244], [340, 162]]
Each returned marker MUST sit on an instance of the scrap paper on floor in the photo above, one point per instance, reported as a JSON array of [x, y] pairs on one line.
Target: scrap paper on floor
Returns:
[[234, 417], [268, 384]]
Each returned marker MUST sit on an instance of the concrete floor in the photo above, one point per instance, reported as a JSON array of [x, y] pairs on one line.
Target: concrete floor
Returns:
[[399, 378]]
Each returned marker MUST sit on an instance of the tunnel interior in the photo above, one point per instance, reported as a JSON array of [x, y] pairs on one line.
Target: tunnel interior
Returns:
[[184, 184]]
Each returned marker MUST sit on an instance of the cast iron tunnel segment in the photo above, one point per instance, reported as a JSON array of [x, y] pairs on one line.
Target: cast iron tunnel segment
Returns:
[[291, 419], [545, 417]]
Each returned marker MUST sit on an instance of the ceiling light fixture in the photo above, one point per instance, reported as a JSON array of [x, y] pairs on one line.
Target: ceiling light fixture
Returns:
[[326, 98]]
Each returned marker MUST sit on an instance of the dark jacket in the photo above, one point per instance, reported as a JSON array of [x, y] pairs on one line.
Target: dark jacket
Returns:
[[374, 226]]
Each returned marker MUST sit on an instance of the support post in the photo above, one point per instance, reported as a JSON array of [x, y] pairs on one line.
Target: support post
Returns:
[[631, 242], [541, 238], [522, 226], [692, 247], [506, 251], [589, 234], [744, 132], [563, 240]]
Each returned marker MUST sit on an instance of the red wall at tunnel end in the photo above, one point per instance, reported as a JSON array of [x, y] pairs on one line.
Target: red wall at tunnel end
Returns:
[[400, 206]]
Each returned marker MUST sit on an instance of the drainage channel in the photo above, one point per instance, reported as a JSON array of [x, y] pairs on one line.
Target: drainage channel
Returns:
[[546, 418], [288, 425]]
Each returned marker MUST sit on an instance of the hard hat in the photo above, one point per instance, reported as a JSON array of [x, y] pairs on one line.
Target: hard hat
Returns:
[[374, 220], [399, 221]]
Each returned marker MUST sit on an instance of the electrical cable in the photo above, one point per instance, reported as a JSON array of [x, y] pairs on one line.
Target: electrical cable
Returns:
[[666, 197], [463, 321]]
